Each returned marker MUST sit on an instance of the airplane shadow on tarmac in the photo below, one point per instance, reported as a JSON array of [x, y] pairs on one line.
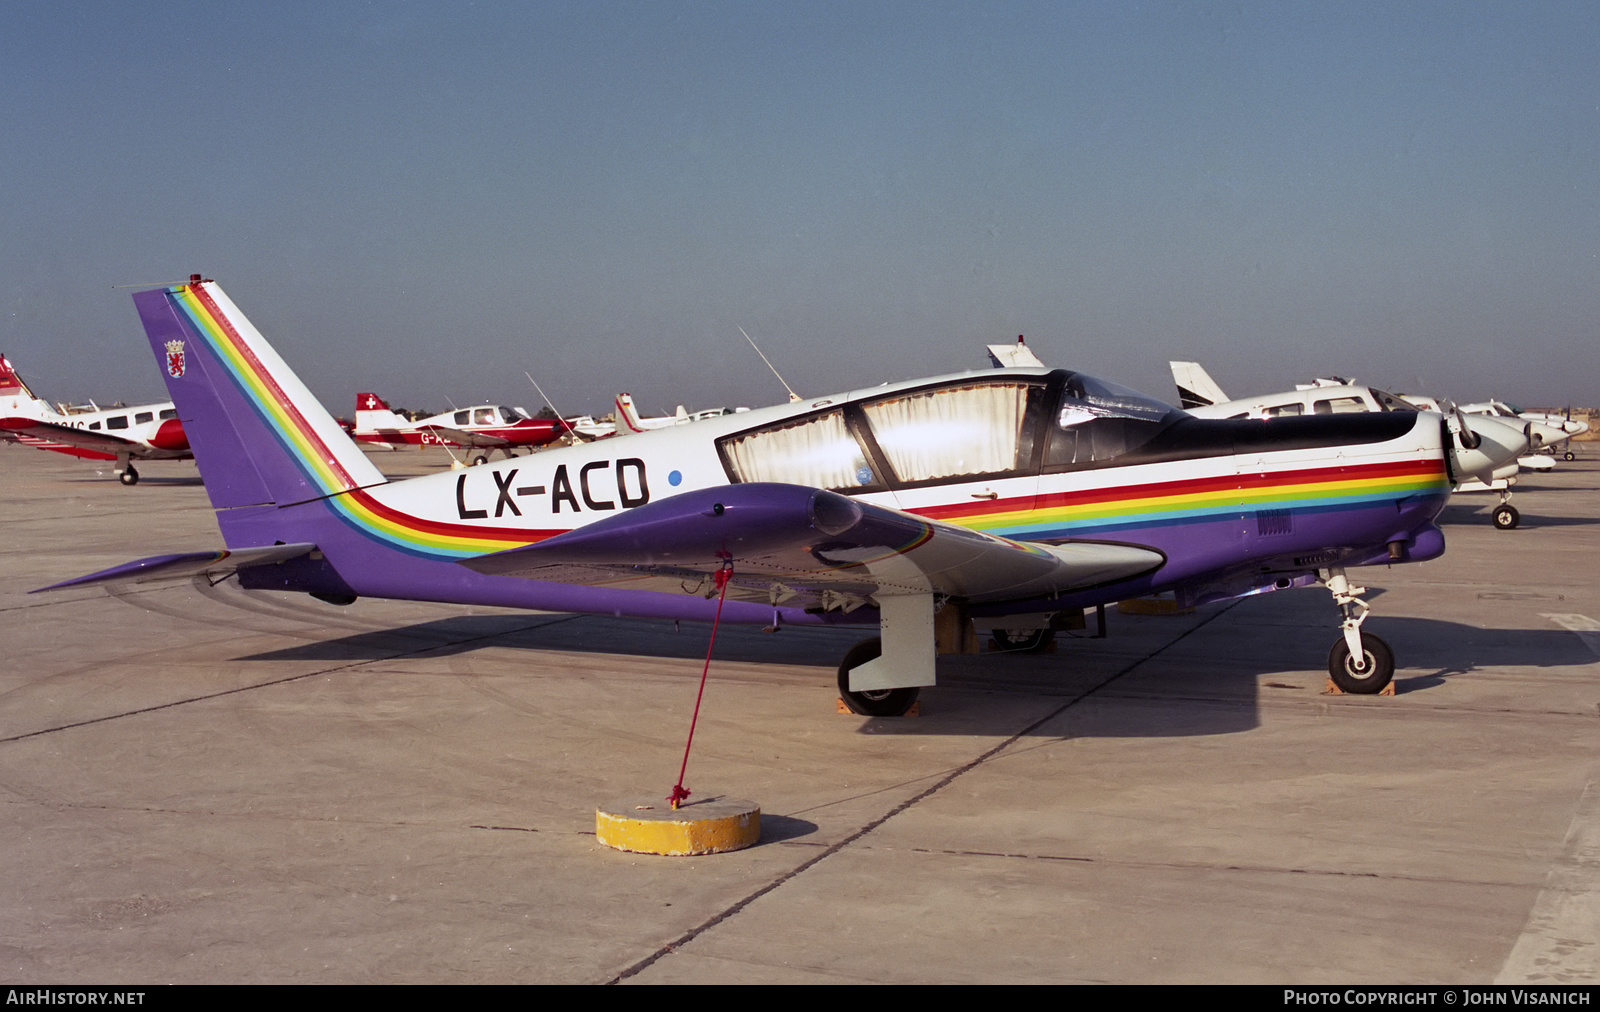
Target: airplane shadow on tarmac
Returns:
[[1185, 684]]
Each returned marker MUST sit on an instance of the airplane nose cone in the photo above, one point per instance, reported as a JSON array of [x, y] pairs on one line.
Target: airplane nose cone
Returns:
[[1499, 446], [170, 436]]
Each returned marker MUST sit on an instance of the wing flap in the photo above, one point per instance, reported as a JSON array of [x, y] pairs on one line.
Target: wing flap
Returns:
[[807, 547]]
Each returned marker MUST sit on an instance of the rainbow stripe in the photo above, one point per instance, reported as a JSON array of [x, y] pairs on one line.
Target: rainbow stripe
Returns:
[[1196, 500], [320, 464]]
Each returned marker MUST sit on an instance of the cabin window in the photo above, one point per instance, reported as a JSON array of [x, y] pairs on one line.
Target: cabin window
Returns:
[[1098, 421], [117, 422], [818, 451], [94, 425], [1279, 410], [143, 417], [1339, 406], [463, 417], [952, 431], [483, 416], [168, 413]]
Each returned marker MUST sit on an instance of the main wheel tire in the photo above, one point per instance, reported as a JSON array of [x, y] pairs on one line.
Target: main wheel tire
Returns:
[[1378, 666], [129, 477], [873, 702], [1506, 517], [1032, 642], [482, 458], [1569, 455]]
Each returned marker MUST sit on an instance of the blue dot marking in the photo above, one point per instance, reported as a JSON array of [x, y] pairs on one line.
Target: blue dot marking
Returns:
[[675, 479]]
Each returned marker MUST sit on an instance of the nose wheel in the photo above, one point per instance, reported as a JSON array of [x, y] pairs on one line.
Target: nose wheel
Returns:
[[1506, 517], [129, 476], [1359, 663], [1375, 670]]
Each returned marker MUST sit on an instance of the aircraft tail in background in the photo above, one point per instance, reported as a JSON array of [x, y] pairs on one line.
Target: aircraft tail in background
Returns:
[[1196, 388]]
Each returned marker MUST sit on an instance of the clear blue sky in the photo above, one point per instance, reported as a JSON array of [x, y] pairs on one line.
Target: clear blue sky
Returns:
[[425, 199]]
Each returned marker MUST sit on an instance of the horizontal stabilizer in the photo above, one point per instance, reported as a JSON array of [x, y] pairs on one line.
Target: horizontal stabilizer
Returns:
[[807, 547], [217, 565]]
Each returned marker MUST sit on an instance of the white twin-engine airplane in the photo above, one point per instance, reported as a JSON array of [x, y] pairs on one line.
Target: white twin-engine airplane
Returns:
[[1008, 499], [1485, 451], [144, 432]]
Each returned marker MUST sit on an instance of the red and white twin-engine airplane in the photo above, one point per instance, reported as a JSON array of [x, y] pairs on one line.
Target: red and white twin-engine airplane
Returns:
[[483, 428], [144, 432]]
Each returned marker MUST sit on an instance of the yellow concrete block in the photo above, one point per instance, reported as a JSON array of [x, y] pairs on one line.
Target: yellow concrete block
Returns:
[[652, 826]]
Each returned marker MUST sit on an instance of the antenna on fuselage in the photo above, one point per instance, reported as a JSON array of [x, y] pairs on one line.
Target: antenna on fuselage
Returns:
[[793, 397], [548, 402]]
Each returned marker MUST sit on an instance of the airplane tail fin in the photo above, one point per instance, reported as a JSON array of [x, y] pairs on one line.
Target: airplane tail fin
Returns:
[[14, 393], [627, 415], [259, 436], [1196, 388], [373, 414]]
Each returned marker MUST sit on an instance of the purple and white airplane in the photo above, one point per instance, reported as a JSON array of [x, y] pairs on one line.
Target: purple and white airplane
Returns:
[[1007, 499]]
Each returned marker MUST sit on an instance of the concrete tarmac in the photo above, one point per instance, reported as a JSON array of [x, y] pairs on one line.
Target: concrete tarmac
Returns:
[[210, 785]]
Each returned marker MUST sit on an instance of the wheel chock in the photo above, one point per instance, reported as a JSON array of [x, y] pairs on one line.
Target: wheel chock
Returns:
[[1333, 690], [653, 826], [841, 707], [1152, 606]]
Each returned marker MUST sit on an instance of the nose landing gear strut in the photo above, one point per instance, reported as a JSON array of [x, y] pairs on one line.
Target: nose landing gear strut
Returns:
[[1359, 662]]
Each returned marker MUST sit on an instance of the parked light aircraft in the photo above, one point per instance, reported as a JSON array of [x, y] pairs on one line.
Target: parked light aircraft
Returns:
[[1563, 422], [144, 432], [1483, 451], [628, 419], [482, 427], [1009, 499]]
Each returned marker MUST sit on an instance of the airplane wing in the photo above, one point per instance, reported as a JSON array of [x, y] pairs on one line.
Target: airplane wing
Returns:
[[461, 437], [214, 565], [88, 439], [805, 547]]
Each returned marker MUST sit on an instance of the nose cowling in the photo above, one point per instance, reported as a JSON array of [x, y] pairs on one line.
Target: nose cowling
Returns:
[[1499, 446]]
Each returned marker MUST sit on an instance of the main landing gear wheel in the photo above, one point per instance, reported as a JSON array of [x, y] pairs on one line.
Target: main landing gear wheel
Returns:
[[872, 702], [482, 458], [1506, 517], [1569, 455], [129, 476], [1377, 666], [1034, 641]]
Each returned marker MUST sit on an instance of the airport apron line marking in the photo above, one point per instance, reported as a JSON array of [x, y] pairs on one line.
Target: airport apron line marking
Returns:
[[1557, 945], [283, 681], [1587, 629], [936, 787]]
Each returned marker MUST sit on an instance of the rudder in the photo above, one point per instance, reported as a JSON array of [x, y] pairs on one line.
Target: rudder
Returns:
[[258, 434]]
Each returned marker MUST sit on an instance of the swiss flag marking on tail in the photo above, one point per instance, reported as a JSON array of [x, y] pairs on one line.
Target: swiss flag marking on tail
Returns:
[[370, 402]]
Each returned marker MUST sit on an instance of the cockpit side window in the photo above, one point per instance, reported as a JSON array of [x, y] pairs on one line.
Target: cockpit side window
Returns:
[[818, 451], [463, 417], [1338, 406], [483, 416], [954, 431]]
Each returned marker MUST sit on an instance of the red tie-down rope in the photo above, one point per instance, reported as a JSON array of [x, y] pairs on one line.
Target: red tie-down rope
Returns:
[[680, 793]]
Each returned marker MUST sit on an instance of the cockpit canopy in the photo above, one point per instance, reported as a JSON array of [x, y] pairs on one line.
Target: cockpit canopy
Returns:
[[959, 429]]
